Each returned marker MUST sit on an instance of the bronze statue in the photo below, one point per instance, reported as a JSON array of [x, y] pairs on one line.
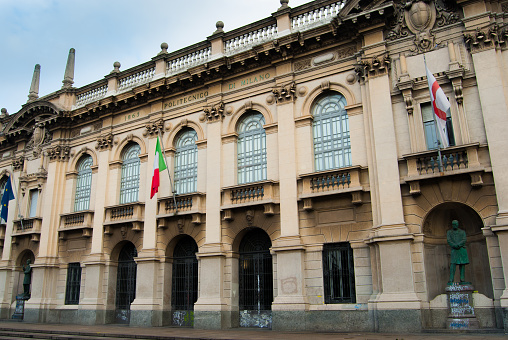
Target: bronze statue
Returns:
[[457, 240], [27, 279]]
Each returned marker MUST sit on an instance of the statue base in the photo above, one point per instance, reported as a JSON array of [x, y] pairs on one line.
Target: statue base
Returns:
[[19, 312], [461, 311]]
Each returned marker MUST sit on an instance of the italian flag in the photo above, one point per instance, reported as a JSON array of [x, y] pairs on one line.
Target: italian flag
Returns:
[[440, 106], [158, 166]]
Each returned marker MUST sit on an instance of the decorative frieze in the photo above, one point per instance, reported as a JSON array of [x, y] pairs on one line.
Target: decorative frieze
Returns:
[[285, 92], [59, 153], [152, 128], [104, 142]]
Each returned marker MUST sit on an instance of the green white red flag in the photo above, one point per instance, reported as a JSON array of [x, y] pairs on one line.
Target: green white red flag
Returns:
[[158, 166], [440, 106]]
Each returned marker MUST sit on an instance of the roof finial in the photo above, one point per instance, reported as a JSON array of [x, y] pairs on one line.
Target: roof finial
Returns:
[[69, 70], [34, 88]]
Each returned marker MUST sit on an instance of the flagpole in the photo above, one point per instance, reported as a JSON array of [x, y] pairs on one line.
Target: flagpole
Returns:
[[440, 163], [167, 168], [17, 202]]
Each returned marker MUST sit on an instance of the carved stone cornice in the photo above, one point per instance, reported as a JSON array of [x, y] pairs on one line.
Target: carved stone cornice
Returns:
[[104, 142], [373, 67], [59, 153], [17, 163], [214, 113], [486, 38], [152, 128], [285, 93]]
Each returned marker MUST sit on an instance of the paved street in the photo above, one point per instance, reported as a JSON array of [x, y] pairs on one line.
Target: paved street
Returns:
[[166, 333]]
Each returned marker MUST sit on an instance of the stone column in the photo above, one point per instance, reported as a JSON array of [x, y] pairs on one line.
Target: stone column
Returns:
[[146, 309], [210, 310], [390, 239], [290, 304]]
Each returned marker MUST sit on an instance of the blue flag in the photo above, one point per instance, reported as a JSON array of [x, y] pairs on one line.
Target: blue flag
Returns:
[[8, 195]]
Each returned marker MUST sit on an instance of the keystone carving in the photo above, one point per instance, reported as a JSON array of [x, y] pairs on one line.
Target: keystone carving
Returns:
[[59, 153], [104, 142], [214, 113], [285, 93], [153, 128]]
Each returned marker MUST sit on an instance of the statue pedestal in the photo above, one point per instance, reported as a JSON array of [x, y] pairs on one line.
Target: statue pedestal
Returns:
[[19, 312], [461, 311]]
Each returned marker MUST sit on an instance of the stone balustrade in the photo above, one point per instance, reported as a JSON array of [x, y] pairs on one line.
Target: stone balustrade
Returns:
[[249, 39], [318, 15], [27, 226], [80, 220], [128, 214], [188, 60], [91, 95], [135, 79]]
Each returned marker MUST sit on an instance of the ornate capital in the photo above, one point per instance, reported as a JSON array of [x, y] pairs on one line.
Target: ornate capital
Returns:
[[17, 163], [59, 153], [214, 113], [373, 67], [285, 93], [104, 142], [482, 39], [153, 127]]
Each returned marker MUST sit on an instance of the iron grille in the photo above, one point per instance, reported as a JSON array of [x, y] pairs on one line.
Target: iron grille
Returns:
[[338, 273], [256, 277], [185, 275], [73, 284], [126, 281]]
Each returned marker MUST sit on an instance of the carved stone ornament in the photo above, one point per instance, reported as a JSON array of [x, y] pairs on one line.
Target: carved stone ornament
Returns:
[[373, 67], [285, 93], [59, 153], [17, 163], [40, 136], [214, 113], [486, 38], [249, 216], [418, 18], [104, 142], [153, 128]]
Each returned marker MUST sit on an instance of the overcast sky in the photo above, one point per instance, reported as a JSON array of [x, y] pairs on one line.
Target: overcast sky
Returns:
[[102, 32]]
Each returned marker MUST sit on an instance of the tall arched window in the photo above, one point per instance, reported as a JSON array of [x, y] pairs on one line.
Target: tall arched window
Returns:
[[186, 162], [332, 144], [129, 185], [251, 149], [83, 184]]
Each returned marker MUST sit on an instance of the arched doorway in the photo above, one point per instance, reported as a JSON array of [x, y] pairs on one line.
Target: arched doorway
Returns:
[[125, 282], [184, 288], [25, 256], [255, 280], [437, 252]]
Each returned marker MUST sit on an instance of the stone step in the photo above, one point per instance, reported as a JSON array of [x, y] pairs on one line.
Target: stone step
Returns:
[[60, 335]]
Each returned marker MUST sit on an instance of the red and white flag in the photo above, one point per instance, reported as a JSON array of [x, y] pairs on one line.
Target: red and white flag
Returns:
[[440, 106], [158, 166]]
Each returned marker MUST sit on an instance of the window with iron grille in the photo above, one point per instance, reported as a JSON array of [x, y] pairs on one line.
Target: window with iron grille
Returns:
[[251, 149], [129, 184], [185, 275], [338, 273], [255, 272], [126, 277], [332, 143], [186, 162], [83, 184], [73, 284], [429, 127]]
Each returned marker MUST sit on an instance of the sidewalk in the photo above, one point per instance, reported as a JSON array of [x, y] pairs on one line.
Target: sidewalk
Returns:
[[166, 333]]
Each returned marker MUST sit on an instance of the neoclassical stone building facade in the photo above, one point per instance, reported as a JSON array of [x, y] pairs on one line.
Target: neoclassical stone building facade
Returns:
[[305, 192]]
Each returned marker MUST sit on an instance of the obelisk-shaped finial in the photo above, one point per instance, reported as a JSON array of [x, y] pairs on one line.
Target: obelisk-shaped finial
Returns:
[[34, 88], [69, 70]]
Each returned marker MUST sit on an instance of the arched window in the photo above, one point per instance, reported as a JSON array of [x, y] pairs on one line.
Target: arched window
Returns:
[[83, 184], [332, 144], [129, 185], [251, 149], [186, 162]]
